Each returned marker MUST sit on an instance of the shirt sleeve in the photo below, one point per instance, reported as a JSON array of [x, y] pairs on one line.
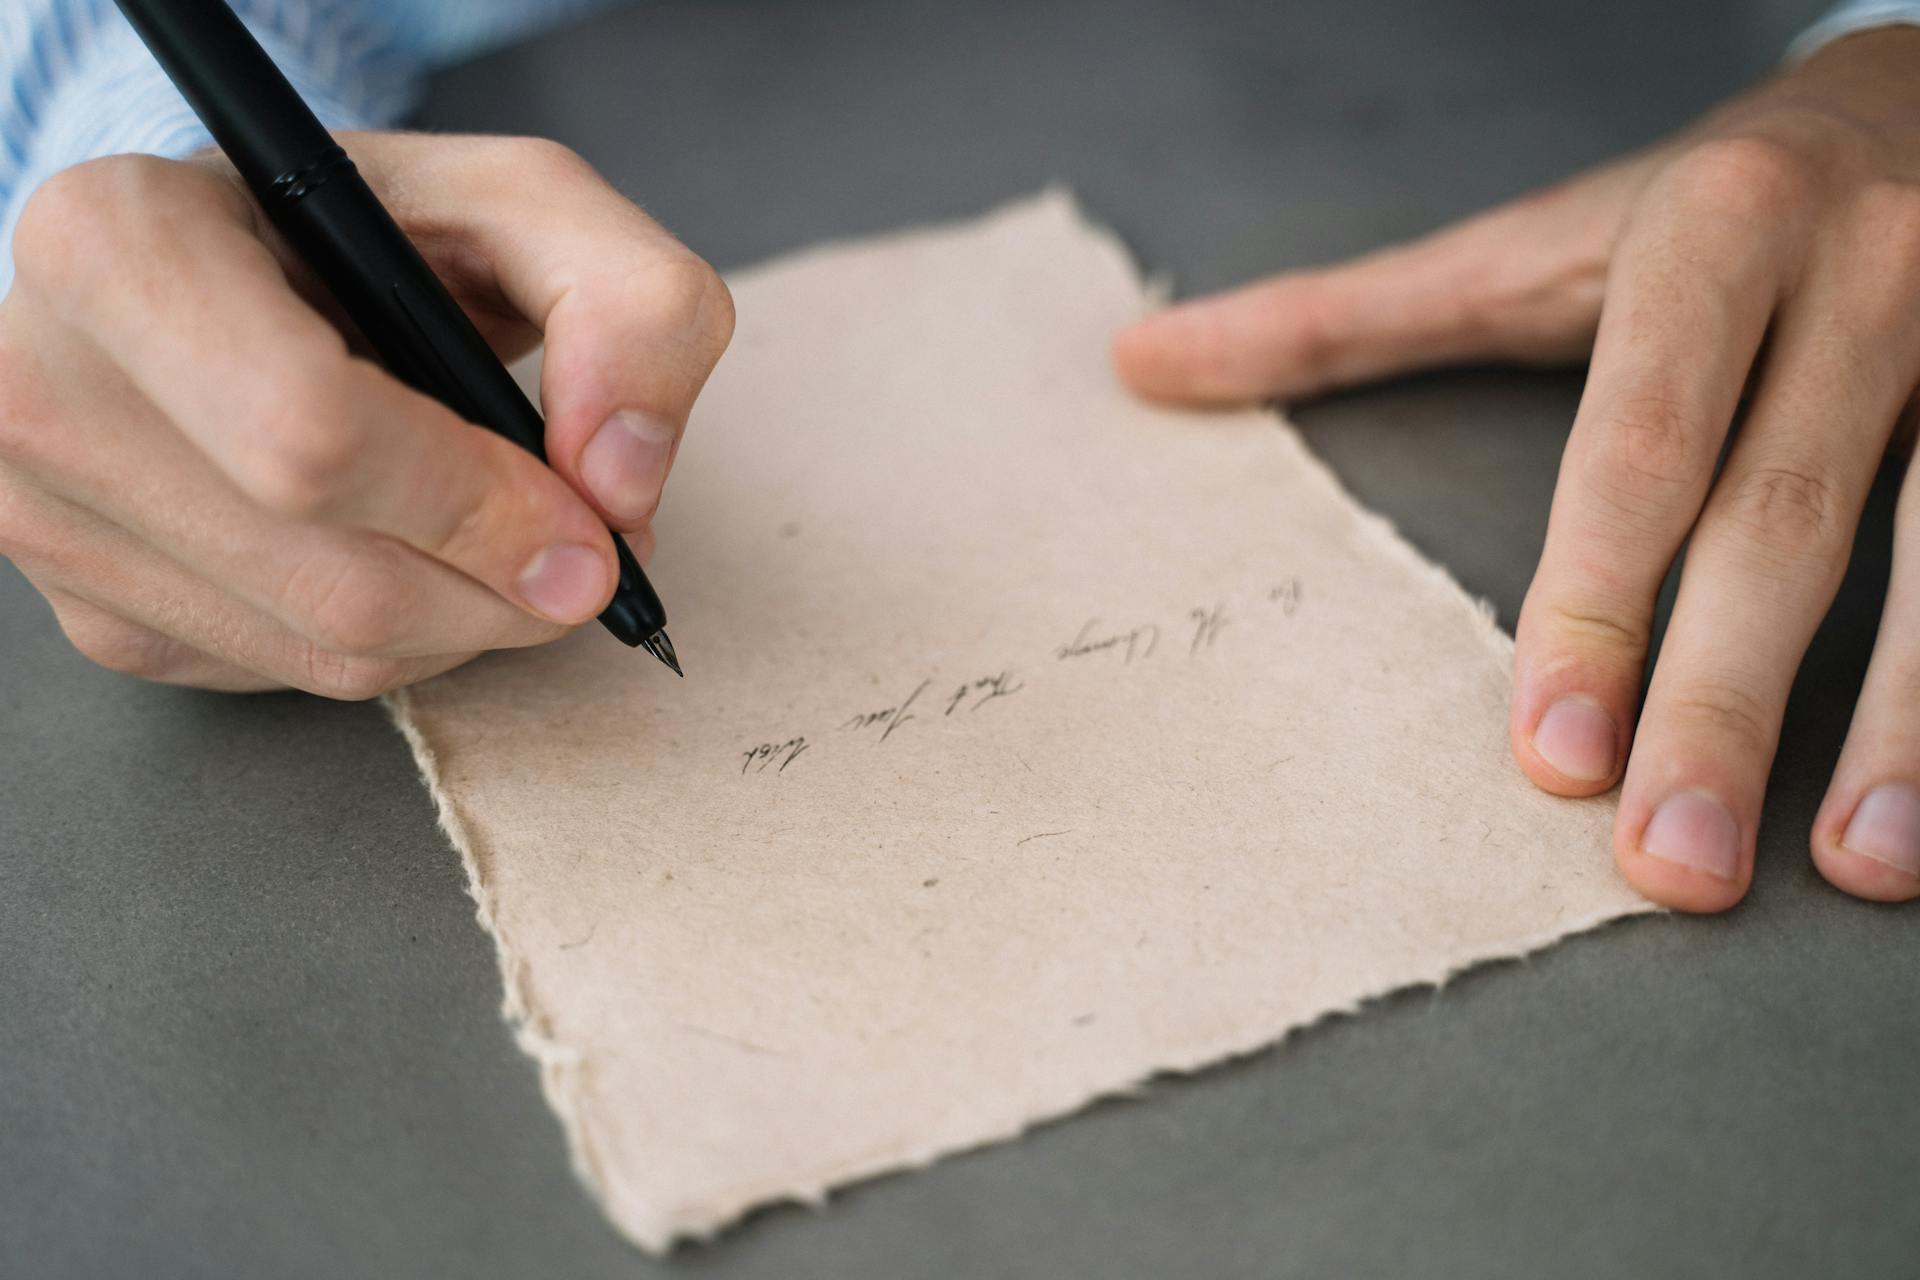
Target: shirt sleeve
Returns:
[[1852, 16], [76, 82]]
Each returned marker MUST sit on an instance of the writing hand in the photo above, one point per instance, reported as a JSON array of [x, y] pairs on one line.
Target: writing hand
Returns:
[[1773, 247], [212, 486]]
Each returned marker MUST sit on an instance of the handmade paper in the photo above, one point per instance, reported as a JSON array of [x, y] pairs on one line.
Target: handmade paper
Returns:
[[1033, 741]]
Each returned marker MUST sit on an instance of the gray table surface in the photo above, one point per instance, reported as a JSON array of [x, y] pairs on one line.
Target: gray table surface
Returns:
[[248, 1025]]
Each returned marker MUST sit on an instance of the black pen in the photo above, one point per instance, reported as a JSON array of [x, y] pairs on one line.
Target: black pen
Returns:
[[320, 203]]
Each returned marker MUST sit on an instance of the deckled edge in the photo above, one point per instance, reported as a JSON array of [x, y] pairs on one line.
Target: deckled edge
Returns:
[[660, 1234], [562, 1067]]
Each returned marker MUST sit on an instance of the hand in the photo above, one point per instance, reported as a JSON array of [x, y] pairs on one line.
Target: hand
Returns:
[[1789, 217], [212, 486]]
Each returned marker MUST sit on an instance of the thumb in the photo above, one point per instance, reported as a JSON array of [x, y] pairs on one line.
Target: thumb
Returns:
[[1522, 282]]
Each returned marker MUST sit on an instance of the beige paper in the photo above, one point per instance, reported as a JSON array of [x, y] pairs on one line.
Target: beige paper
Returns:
[[1032, 742]]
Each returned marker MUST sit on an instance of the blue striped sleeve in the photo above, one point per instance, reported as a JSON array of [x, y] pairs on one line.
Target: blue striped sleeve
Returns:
[[76, 83], [1855, 15]]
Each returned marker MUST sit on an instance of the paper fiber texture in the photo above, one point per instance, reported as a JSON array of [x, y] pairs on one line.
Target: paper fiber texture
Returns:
[[1033, 741]]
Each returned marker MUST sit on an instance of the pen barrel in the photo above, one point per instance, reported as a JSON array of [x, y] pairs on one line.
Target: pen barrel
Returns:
[[258, 118], [410, 320], [314, 195], [311, 191], [422, 335], [392, 295]]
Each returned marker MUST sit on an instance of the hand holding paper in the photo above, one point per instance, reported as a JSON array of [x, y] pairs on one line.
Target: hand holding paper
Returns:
[[1783, 218]]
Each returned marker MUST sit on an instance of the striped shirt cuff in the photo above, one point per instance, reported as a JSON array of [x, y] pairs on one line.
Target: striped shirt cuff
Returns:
[[114, 99], [1860, 15]]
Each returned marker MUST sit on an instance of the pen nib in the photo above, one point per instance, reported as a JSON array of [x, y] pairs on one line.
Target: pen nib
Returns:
[[660, 647]]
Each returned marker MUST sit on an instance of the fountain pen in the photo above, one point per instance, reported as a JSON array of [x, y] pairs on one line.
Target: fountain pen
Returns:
[[312, 193]]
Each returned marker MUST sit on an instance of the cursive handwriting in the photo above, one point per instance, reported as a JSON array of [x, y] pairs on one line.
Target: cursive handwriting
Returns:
[[1207, 625], [987, 687], [1141, 642], [892, 717], [765, 753], [1287, 596], [1133, 645]]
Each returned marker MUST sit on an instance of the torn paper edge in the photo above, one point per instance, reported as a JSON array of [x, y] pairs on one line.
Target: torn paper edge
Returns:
[[659, 1233], [562, 1066], [563, 1071]]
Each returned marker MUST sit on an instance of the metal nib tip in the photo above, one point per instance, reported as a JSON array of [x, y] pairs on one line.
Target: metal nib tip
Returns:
[[660, 647]]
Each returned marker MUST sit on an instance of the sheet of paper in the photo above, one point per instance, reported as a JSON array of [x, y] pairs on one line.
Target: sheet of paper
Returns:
[[1032, 742]]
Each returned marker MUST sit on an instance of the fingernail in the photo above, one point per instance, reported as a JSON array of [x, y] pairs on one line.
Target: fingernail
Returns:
[[625, 463], [1577, 737], [1886, 827], [565, 582], [1695, 830]]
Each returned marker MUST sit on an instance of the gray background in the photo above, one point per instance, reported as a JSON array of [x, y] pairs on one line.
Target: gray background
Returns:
[[248, 1025]]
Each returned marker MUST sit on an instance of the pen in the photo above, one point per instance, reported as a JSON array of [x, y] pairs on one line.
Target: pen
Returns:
[[320, 203]]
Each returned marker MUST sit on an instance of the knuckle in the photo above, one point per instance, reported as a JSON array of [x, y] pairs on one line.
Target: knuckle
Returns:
[[1790, 514], [1726, 714], [688, 304], [1745, 174], [74, 213], [1318, 332], [1592, 629], [351, 602], [714, 311], [351, 677], [303, 446], [1646, 450], [60, 211], [549, 161]]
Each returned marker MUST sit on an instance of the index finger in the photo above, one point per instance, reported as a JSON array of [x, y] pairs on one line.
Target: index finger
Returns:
[[1521, 282], [634, 321]]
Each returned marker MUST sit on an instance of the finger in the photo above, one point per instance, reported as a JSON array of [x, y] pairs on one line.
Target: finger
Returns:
[[70, 553], [1688, 303], [634, 321], [266, 389], [119, 644], [71, 425], [343, 590], [1769, 553], [1866, 837], [1522, 282]]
